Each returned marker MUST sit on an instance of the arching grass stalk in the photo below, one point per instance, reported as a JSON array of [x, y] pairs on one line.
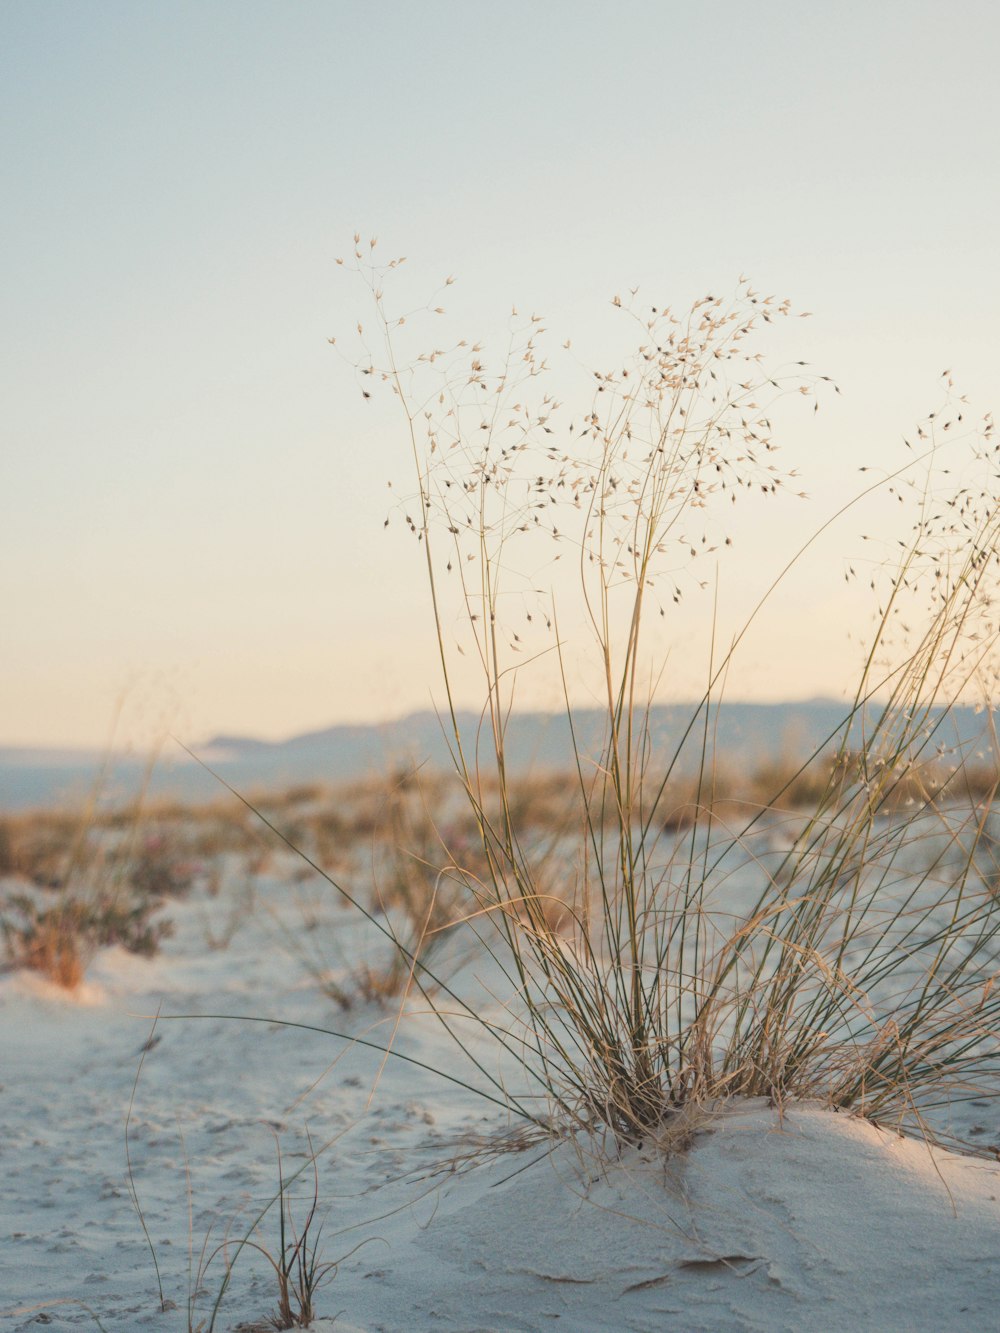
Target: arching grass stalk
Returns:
[[426, 981]]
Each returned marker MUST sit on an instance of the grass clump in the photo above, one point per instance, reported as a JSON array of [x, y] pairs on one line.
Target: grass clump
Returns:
[[297, 1263], [860, 968]]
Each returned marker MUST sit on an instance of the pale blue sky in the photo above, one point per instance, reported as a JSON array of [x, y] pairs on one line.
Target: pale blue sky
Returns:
[[192, 498]]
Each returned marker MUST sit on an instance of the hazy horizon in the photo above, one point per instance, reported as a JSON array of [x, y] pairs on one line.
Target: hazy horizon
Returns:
[[386, 723], [748, 738]]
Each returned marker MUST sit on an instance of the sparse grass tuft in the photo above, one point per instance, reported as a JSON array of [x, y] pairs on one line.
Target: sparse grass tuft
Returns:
[[297, 1265]]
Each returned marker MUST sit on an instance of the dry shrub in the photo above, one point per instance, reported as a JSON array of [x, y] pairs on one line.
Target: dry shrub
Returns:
[[60, 939], [43, 846], [50, 941], [93, 881]]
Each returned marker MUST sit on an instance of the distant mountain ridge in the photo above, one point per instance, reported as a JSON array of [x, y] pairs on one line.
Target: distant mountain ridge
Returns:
[[750, 734], [540, 739]]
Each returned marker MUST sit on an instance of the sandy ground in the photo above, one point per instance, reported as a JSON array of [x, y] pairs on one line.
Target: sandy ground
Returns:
[[805, 1220]]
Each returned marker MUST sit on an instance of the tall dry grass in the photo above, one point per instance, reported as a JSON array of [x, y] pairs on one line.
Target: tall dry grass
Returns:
[[861, 971]]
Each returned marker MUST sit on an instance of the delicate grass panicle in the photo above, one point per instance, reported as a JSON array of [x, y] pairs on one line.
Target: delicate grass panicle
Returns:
[[861, 968]]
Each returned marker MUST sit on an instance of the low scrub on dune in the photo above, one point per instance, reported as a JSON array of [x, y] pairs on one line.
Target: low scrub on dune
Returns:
[[79, 883]]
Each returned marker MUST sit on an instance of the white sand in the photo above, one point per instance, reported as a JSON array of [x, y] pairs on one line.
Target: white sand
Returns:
[[807, 1221]]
